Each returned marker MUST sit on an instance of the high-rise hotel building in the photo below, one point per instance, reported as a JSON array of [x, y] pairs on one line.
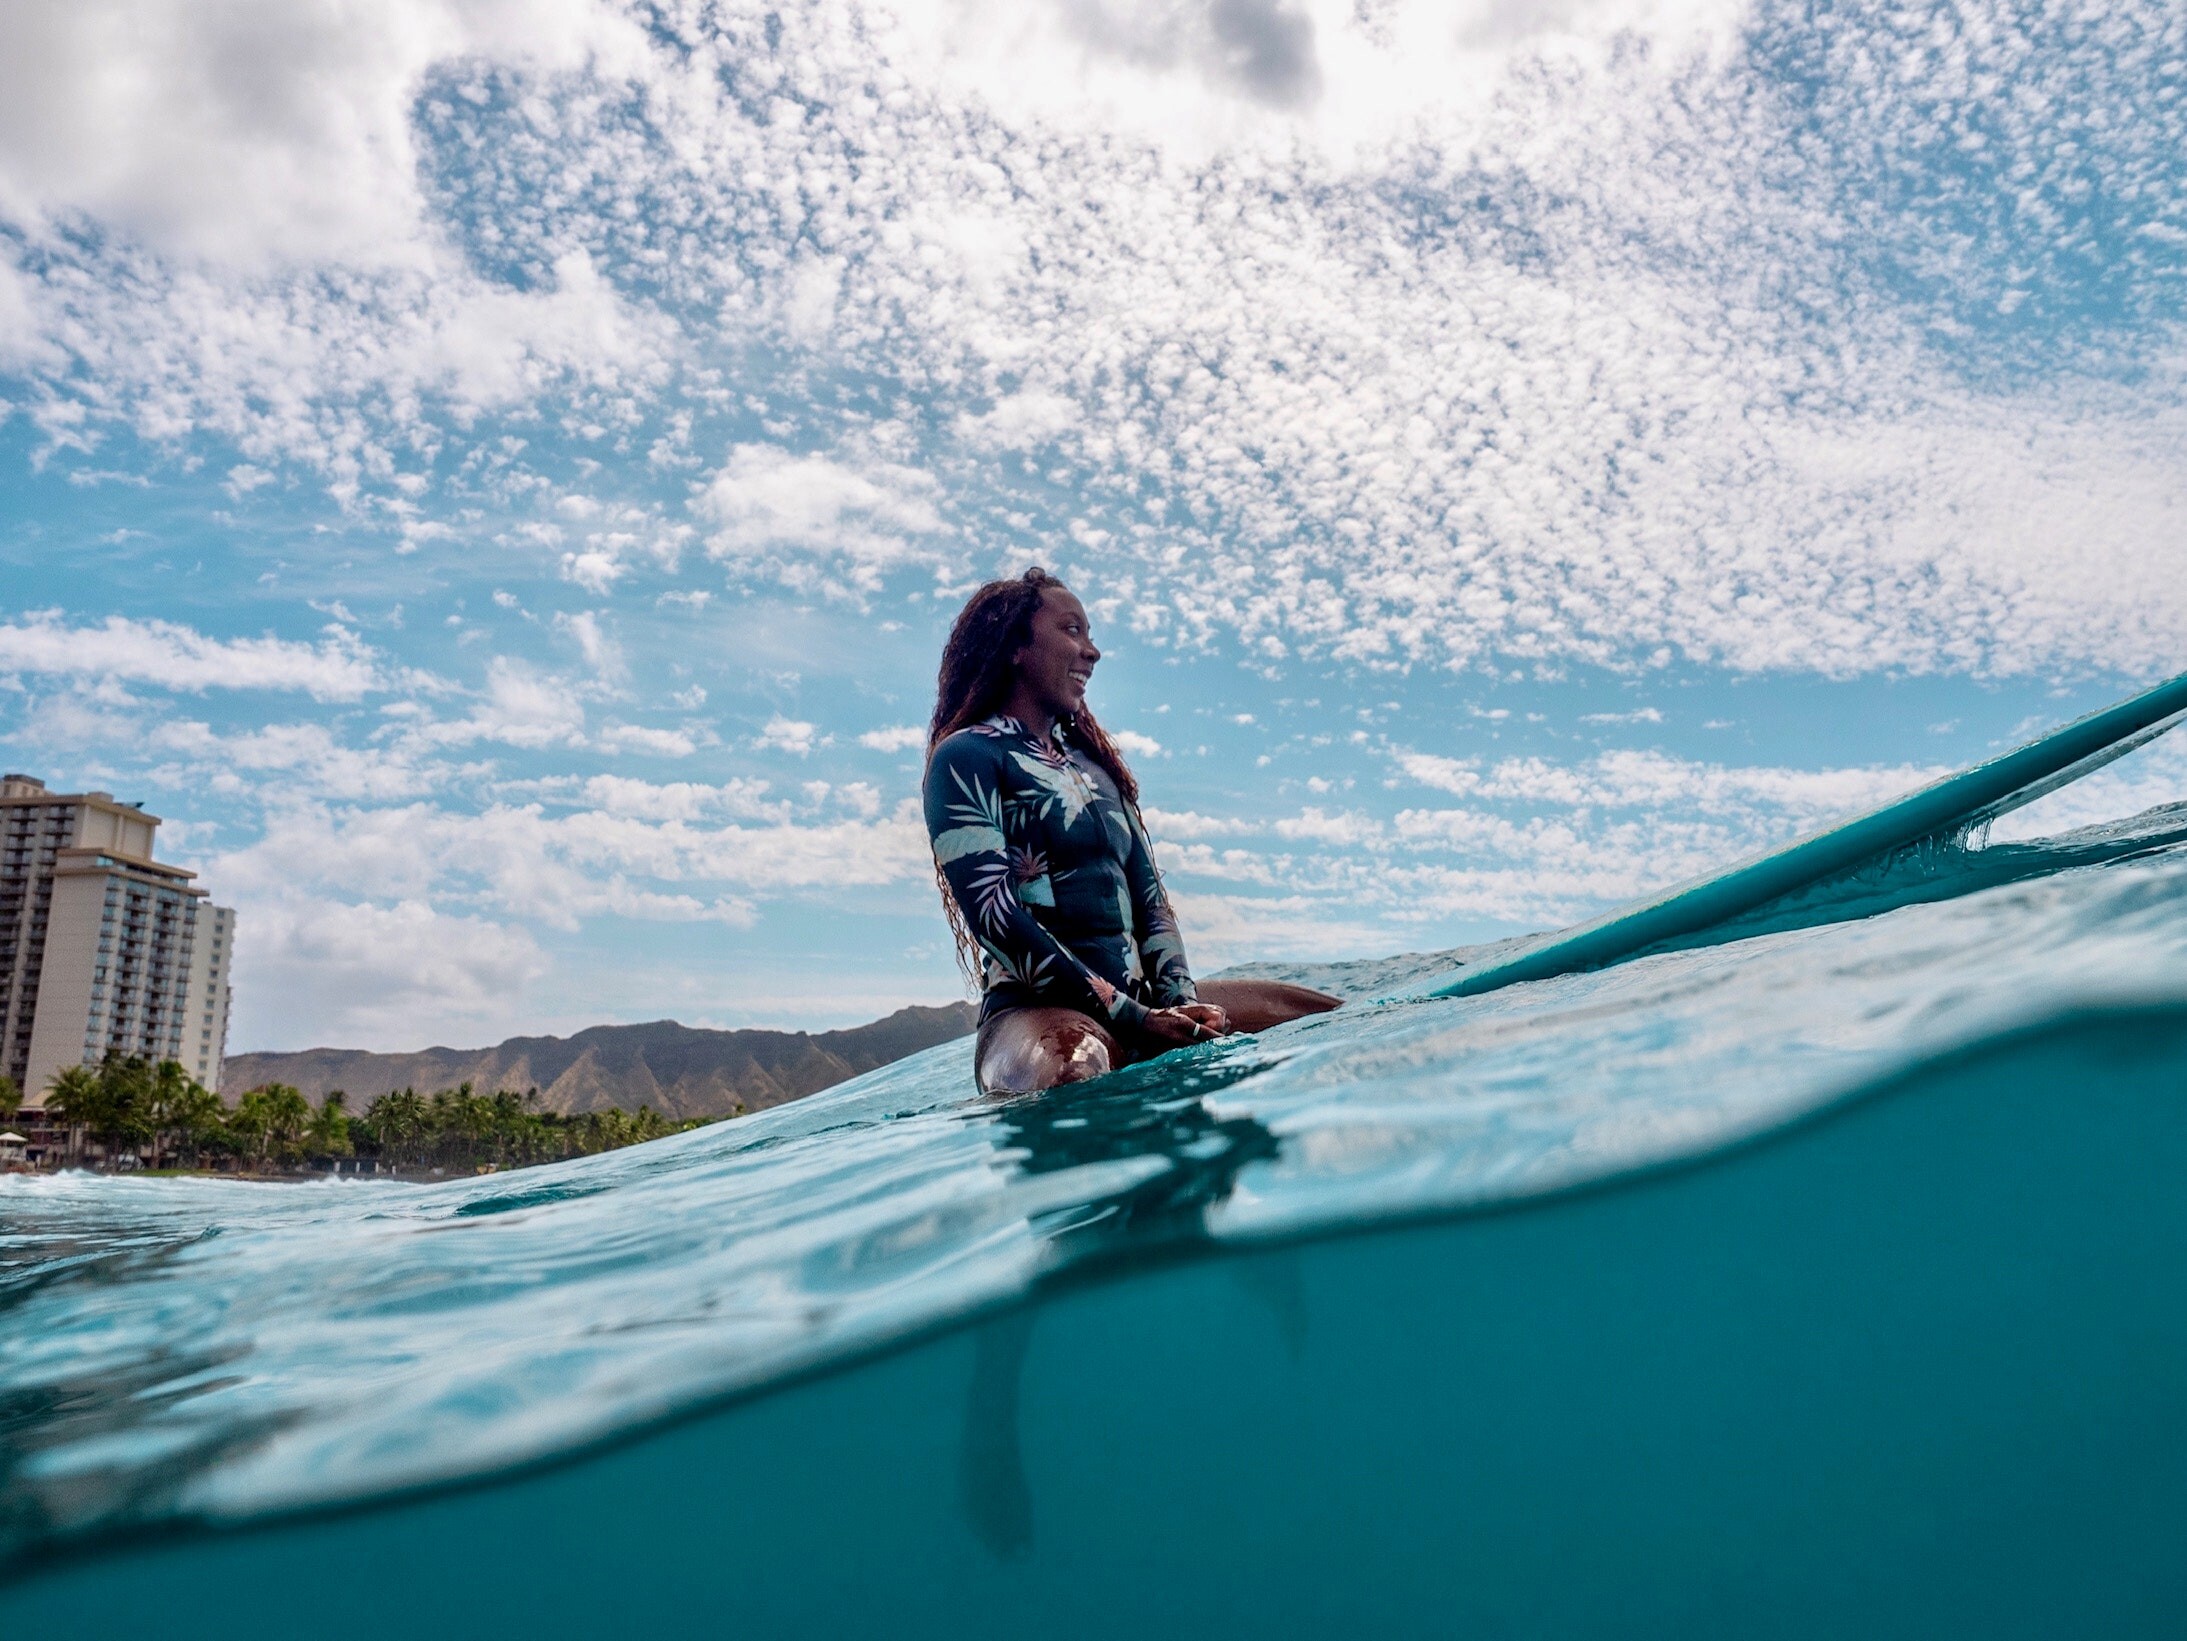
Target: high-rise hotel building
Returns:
[[102, 948]]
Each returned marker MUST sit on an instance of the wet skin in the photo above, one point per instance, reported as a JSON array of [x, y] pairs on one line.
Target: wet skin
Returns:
[[1030, 1049]]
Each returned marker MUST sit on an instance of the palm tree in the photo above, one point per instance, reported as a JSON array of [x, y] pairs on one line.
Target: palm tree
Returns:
[[398, 1124], [124, 1116], [288, 1115], [474, 1122], [73, 1095], [328, 1132], [247, 1124], [274, 1118], [603, 1130], [11, 1097], [196, 1116], [167, 1092]]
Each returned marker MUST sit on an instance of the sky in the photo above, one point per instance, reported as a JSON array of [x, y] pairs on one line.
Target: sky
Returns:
[[495, 476]]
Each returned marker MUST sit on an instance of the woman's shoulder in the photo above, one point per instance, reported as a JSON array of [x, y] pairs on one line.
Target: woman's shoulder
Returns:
[[976, 746], [987, 739]]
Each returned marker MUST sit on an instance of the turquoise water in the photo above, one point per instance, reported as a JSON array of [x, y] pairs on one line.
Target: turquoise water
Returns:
[[1823, 1279]]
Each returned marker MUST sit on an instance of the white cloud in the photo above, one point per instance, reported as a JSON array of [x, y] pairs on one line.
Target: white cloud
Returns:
[[808, 516], [1386, 333], [1347, 828], [809, 309], [1232, 865], [600, 651], [792, 735], [308, 759], [522, 861], [1184, 823], [1438, 866], [1538, 844], [1019, 421], [171, 656], [23, 340], [1263, 75], [243, 478], [681, 800], [372, 976], [594, 571], [1624, 780], [1455, 775], [861, 798], [662, 743], [617, 537], [1224, 929], [256, 131], [491, 348], [523, 707], [357, 388], [1136, 744], [896, 738]]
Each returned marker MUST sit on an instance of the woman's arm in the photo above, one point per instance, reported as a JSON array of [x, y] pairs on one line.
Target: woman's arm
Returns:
[[964, 820], [1161, 945]]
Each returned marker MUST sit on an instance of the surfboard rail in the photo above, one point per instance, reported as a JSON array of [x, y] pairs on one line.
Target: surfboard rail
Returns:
[[1954, 803]]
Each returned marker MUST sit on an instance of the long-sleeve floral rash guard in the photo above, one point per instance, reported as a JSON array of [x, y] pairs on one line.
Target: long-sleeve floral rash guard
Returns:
[[1051, 869]]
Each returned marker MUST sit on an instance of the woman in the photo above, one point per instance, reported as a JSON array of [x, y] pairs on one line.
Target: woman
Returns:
[[1045, 869]]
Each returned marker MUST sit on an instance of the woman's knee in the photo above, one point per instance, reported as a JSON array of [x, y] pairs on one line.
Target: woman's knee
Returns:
[[1033, 1049], [1082, 1053]]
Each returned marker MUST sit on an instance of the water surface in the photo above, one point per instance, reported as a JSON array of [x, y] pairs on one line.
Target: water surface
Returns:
[[188, 1353]]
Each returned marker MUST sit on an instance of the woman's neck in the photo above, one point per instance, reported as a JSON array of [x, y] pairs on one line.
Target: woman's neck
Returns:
[[1039, 722]]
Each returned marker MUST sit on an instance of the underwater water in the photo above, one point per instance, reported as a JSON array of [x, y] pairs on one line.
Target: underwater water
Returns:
[[1823, 1277]]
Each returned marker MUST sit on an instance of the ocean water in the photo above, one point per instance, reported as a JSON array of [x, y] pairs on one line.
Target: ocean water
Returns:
[[1824, 1276]]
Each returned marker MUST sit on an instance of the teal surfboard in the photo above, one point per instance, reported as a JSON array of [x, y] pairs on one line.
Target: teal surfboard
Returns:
[[1953, 804]]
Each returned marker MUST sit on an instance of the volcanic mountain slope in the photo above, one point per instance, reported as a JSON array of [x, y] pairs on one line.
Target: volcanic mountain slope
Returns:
[[681, 1071]]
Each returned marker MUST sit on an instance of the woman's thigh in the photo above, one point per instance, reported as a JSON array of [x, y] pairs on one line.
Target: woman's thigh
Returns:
[[1255, 1005], [1024, 1050]]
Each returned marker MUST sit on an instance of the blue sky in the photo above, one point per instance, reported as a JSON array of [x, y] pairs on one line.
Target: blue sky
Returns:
[[495, 476]]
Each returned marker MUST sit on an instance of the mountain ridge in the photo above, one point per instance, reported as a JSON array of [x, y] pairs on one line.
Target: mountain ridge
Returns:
[[679, 1070]]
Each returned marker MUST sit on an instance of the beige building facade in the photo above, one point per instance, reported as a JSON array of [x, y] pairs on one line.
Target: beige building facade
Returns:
[[205, 1002], [102, 948]]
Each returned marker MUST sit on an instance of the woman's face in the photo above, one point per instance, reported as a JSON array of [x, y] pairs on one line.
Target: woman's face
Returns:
[[1059, 656]]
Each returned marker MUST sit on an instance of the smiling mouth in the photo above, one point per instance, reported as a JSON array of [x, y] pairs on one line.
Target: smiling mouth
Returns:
[[1080, 676]]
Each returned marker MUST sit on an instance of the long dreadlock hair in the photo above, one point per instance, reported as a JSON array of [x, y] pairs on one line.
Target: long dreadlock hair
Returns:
[[978, 672]]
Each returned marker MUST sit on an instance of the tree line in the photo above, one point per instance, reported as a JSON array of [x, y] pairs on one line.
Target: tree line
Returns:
[[130, 1105]]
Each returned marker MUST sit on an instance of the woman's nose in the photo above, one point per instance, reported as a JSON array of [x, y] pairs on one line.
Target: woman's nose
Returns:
[[1091, 651]]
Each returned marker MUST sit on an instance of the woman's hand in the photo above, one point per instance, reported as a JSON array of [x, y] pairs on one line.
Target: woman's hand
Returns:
[[1210, 1015], [1188, 1023]]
